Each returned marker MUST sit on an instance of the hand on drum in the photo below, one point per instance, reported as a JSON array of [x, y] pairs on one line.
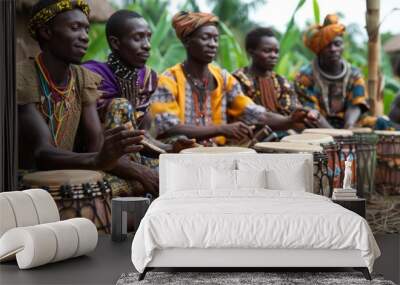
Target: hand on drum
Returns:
[[297, 118], [237, 130], [182, 143], [117, 142], [312, 118]]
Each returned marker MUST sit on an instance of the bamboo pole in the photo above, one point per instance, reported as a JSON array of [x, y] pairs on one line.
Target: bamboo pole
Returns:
[[372, 19]]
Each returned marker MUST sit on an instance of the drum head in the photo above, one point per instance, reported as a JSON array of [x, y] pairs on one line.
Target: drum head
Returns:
[[361, 130], [388, 133], [287, 147], [331, 132], [62, 177], [314, 139], [216, 150]]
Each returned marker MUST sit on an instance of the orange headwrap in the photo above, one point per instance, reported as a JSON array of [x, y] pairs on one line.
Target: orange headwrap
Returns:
[[186, 23], [317, 37]]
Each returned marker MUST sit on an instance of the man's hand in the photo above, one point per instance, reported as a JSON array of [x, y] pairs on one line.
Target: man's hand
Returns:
[[297, 119], [130, 170], [312, 119], [237, 130], [313, 115], [298, 116], [117, 142], [182, 143], [149, 179]]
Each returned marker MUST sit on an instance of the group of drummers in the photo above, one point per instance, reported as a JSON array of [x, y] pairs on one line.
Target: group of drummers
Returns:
[[107, 122]]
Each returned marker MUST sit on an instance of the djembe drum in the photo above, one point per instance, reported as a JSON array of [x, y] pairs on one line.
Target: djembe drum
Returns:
[[321, 178], [330, 149], [366, 159], [217, 149], [346, 149], [387, 179], [77, 193]]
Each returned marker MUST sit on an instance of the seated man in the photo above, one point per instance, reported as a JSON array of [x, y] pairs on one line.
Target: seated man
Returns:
[[198, 99], [330, 84], [127, 82], [56, 96], [264, 86]]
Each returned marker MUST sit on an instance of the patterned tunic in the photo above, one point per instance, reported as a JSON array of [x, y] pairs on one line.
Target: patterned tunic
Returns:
[[284, 92], [173, 104]]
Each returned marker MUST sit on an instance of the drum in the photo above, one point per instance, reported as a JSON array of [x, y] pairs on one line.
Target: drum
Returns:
[[388, 157], [77, 193], [330, 149], [321, 178], [346, 149], [217, 150], [366, 159], [314, 139]]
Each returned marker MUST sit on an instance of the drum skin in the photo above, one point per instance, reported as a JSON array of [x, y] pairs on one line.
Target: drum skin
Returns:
[[216, 150], [331, 132], [315, 139]]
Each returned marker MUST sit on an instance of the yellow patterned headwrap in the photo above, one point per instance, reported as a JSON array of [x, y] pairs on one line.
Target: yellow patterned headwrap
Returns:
[[319, 36], [49, 12], [186, 23]]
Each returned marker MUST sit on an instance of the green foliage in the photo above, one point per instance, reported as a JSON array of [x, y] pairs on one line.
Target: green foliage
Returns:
[[288, 38], [290, 56], [316, 12], [235, 13], [388, 97], [98, 48], [230, 55]]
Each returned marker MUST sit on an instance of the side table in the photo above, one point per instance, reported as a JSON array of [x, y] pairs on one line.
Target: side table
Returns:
[[356, 205], [120, 207]]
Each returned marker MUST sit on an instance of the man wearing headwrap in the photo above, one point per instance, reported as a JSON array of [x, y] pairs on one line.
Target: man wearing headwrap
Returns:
[[55, 96], [330, 84], [199, 99]]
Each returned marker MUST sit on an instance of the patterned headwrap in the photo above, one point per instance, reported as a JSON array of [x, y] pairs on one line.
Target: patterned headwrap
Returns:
[[49, 12], [317, 37], [186, 23]]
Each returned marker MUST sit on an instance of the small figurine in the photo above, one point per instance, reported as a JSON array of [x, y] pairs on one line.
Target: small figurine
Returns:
[[347, 174]]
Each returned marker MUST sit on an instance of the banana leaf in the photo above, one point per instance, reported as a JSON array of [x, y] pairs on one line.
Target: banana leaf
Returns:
[[316, 12]]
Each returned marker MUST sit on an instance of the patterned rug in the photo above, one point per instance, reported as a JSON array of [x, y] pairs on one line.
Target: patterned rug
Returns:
[[243, 278]]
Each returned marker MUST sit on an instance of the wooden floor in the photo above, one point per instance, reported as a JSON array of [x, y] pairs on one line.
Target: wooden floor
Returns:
[[110, 260]]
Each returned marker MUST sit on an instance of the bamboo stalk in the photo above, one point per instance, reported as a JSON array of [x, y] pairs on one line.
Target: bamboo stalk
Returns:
[[372, 19]]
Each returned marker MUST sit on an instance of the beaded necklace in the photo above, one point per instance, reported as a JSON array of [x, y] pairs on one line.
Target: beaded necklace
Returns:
[[128, 82], [56, 100], [200, 90], [333, 77]]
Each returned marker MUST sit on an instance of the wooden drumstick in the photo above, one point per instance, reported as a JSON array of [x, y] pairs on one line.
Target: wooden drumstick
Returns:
[[145, 142]]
